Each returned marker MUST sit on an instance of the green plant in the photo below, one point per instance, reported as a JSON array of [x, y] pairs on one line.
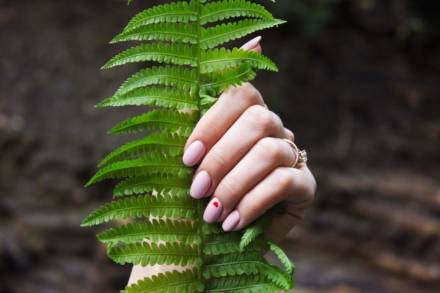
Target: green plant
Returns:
[[152, 166]]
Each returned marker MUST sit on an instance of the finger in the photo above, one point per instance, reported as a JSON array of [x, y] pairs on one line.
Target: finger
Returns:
[[269, 153], [278, 185], [222, 115], [289, 135], [256, 123]]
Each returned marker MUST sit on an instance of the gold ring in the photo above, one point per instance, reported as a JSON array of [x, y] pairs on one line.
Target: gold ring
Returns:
[[301, 156]]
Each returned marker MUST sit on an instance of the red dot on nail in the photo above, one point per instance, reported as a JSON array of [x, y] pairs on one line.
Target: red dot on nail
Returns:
[[215, 204]]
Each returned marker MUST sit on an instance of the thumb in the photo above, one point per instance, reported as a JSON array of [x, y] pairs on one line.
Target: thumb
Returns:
[[253, 45]]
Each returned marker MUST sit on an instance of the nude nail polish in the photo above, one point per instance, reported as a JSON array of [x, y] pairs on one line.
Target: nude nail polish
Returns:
[[213, 211], [252, 43], [200, 185], [231, 221], [193, 153]]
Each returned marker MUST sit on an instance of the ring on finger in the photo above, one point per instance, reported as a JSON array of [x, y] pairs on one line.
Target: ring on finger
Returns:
[[301, 156]]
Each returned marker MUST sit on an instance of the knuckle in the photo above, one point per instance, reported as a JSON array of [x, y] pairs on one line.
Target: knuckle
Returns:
[[284, 180], [270, 149], [255, 207], [217, 158], [229, 186], [260, 119]]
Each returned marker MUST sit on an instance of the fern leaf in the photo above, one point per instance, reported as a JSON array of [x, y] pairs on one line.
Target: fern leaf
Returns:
[[218, 60], [160, 96], [155, 230], [245, 263], [288, 264], [170, 282], [241, 284], [211, 228], [167, 53], [167, 143], [220, 34], [176, 76], [221, 10], [150, 254], [147, 164], [168, 121], [173, 12], [162, 184], [215, 83], [174, 32], [230, 243], [254, 230], [143, 206]]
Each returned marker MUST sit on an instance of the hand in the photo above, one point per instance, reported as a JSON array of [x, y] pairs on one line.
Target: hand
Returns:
[[245, 165]]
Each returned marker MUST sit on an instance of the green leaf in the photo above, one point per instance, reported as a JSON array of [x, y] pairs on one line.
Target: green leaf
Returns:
[[218, 60], [167, 53], [174, 32], [288, 264], [161, 183], [245, 263], [168, 282], [155, 230], [147, 164], [241, 284], [151, 254], [215, 83], [220, 34], [143, 206], [176, 76], [168, 121], [254, 230], [225, 243], [155, 142], [173, 12], [221, 10], [161, 96]]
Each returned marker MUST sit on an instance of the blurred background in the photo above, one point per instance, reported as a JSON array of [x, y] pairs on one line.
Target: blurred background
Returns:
[[359, 85]]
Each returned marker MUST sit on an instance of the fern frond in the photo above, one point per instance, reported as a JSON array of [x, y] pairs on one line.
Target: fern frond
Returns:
[[174, 32], [153, 96], [167, 143], [225, 9], [218, 60], [242, 284], [173, 12], [220, 34], [215, 83], [254, 230], [170, 282], [161, 183], [147, 164], [245, 263], [168, 121], [178, 54], [288, 264], [156, 230], [144, 253], [176, 76], [143, 206], [230, 243]]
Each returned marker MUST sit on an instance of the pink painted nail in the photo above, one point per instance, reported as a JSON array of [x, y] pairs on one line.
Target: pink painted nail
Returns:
[[194, 153], [231, 221], [252, 43], [213, 211], [200, 185]]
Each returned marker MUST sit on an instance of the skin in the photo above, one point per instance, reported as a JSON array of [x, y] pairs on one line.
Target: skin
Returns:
[[248, 163]]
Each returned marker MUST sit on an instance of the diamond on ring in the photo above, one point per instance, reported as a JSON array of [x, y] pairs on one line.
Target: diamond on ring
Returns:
[[301, 156]]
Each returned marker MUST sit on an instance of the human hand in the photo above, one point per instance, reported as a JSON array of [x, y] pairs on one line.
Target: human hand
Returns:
[[245, 164]]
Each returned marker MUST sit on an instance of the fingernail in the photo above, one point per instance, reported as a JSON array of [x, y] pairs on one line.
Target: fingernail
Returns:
[[213, 211], [252, 43], [231, 221], [200, 185], [193, 153]]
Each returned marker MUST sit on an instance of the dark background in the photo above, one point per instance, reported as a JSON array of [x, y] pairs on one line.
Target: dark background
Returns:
[[359, 85]]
